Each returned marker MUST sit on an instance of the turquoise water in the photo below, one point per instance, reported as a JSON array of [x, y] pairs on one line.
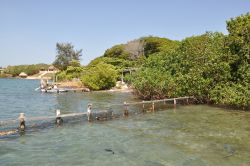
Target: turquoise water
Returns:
[[185, 136], [19, 95]]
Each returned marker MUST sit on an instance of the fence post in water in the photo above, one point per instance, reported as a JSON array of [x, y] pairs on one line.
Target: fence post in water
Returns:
[[21, 122], [187, 101], [89, 111], [58, 117], [174, 102], [125, 109], [153, 107], [143, 106]]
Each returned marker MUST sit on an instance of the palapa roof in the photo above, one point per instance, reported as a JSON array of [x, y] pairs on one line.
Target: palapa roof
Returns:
[[52, 67], [22, 74]]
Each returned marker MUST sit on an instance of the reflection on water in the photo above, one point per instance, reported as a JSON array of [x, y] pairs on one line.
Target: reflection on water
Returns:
[[187, 136]]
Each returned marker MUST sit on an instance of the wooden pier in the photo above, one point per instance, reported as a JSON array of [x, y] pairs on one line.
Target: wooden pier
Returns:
[[161, 100], [97, 115]]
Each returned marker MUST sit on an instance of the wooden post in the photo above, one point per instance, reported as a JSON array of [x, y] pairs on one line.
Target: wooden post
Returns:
[[143, 106], [174, 103], [21, 122], [125, 109], [187, 101], [122, 78], [58, 117], [89, 112], [153, 107]]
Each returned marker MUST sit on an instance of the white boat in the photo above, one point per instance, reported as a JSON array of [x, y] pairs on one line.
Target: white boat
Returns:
[[54, 90]]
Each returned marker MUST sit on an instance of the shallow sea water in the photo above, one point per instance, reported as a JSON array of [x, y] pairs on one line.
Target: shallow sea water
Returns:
[[186, 136]]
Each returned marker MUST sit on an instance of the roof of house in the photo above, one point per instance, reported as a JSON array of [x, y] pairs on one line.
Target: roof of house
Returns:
[[22, 74], [52, 68]]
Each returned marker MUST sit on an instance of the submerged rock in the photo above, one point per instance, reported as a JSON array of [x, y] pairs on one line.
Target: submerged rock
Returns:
[[109, 150]]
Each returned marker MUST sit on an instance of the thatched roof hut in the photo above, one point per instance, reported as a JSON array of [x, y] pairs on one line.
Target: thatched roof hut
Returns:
[[52, 68], [1, 70], [42, 69], [23, 75]]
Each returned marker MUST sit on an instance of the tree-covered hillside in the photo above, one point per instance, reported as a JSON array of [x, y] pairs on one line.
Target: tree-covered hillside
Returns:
[[212, 67]]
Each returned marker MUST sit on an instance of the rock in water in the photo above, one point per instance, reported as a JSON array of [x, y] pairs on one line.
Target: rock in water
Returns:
[[110, 150]]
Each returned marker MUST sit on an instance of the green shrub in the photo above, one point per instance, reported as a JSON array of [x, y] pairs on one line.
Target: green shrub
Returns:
[[153, 84], [70, 73], [231, 94], [100, 77]]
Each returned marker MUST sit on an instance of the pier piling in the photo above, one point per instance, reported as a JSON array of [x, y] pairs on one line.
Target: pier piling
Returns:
[[58, 117], [125, 109], [174, 101], [106, 114], [153, 107], [21, 122], [143, 106], [89, 112]]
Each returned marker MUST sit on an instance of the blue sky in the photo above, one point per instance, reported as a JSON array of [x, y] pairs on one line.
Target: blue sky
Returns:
[[30, 29]]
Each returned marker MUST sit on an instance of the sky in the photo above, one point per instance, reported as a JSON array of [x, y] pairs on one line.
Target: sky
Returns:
[[30, 29]]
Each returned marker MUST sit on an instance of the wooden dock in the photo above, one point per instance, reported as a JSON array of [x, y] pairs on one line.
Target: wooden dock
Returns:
[[161, 100], [97, 115]]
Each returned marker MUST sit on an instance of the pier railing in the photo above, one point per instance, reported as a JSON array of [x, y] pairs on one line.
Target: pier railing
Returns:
[[108, 112]]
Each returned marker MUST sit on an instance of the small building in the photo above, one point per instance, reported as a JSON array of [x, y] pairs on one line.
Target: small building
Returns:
[[52, 69], [42, 69], [23, 75], [1, 70]]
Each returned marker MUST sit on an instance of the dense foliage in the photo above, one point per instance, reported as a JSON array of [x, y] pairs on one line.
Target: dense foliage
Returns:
[[117, 51], [238, 42], [65, 54], [28, 69], [100, 77], [154, 45], [185, 71], [211, 67], [118, 63], [141, 48], [74, 70]]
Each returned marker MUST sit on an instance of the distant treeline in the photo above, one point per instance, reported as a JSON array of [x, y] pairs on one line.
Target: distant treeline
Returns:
[[28, 69]]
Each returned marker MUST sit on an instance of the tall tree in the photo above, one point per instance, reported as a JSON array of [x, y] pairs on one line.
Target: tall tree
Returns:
[[65, 54], [239, 44]]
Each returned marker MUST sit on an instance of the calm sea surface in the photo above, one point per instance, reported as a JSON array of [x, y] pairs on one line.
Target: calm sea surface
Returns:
[[185, 136]]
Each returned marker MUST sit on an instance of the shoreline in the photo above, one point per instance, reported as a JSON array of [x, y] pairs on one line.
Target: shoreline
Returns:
[[130, 90]]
